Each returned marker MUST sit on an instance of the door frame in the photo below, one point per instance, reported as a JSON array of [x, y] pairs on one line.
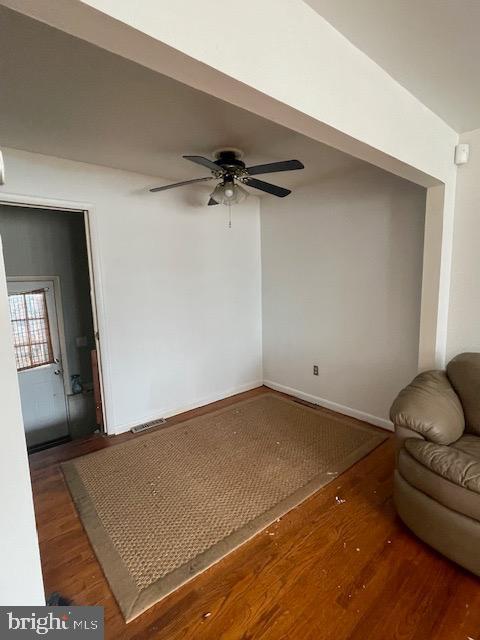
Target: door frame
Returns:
[[94, 274]]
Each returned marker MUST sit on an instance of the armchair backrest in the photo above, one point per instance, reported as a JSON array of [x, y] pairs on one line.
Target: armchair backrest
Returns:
[[463, 371]]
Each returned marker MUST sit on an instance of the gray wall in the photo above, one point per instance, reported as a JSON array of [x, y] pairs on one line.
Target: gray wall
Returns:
[[46, 243]]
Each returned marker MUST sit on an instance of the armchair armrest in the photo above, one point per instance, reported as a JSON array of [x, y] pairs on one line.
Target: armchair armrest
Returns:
[[430, 407], [402, 434]]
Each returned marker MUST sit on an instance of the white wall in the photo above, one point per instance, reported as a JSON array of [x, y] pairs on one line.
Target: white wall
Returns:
[[464, 313], [290, 66], [342, 270], [180, 298], [21, 576]]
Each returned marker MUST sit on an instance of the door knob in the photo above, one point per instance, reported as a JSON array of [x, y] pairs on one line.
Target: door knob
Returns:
[[57, 372]]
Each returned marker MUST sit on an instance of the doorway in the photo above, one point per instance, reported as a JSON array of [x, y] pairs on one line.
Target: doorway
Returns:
[[52, 321]]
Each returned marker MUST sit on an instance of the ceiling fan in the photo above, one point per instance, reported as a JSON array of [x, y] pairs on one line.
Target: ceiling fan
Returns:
[[232, 173]]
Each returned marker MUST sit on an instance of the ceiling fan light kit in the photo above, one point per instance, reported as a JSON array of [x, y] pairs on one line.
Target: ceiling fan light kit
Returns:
[[228, 193], [232, 174]]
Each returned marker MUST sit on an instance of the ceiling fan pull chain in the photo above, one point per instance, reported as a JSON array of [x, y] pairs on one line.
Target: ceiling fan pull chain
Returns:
[[229, 215]]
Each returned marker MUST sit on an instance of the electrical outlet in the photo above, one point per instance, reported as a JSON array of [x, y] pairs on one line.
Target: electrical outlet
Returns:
[[315, 369]]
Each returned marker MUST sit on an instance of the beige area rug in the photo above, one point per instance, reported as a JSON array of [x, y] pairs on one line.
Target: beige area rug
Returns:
[[163, 507]]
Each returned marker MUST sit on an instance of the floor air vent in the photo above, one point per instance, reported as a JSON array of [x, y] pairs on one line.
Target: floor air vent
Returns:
[[148, 425]]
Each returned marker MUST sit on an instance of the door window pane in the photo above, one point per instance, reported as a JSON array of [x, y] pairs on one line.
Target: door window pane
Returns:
[[31, 331]]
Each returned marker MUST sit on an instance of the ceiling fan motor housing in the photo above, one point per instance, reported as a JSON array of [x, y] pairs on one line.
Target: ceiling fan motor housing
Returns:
[[229, 161]]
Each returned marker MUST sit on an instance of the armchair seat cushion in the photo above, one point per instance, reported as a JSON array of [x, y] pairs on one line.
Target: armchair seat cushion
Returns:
[[453, 496], [469, 444], [450, 463]]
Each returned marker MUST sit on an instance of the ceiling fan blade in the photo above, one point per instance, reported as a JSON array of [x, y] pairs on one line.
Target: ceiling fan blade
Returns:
[[180, 184], [205, 162], [266, 186], [212, 202], [273, 167]]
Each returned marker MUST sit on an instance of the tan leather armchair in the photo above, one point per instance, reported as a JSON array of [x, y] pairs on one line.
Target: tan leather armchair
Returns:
[[437, 476]]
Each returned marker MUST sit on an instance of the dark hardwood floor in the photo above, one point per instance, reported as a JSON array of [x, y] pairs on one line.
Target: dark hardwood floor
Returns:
[[326, 571]]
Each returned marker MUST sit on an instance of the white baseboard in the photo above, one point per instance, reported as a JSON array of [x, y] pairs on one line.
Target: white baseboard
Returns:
[[168, 413], [328, 404]]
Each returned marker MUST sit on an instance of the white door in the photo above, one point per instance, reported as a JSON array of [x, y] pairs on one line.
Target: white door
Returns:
[[36, 341]]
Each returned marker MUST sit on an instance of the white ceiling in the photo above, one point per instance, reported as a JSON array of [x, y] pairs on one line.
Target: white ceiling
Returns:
[[64, 97], [431, 47]]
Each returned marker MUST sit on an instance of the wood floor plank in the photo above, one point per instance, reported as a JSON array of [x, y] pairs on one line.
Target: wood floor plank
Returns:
[[325, 571]]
